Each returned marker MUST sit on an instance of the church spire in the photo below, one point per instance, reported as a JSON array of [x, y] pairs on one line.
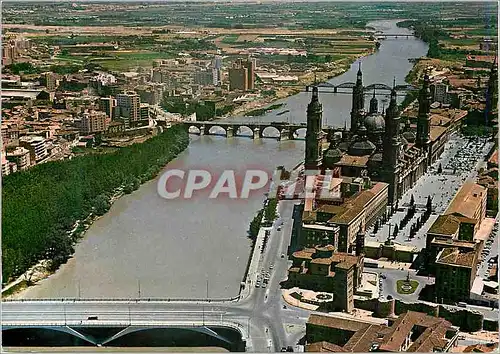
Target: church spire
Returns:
[[358, 101], [491, 91], [423, 118], [314, 133], [373, 104]]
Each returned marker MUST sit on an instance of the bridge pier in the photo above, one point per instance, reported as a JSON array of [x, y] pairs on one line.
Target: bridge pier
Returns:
[[204, 129], [335, 89], [257, 134], [229, 132], [285, 134]]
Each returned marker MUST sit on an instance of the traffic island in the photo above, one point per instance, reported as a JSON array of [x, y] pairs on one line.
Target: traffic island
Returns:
[[406, 286]]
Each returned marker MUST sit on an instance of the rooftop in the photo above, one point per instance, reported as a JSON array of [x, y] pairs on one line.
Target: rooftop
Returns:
[[365, 336], [467, 200], [454, 256]]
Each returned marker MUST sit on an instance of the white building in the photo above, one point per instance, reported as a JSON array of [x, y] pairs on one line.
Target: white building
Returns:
[[35, 145]]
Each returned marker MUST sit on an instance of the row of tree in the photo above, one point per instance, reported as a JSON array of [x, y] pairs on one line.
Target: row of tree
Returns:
[[41, 205]]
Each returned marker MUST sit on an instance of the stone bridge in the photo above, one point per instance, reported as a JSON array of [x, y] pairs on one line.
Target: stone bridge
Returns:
[[368, 90], [283, 130]]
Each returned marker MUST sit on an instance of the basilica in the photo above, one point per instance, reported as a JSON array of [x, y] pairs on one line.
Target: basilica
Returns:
[[378, 144]]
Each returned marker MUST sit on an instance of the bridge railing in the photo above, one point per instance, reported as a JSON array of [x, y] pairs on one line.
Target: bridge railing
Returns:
[[152, 299]]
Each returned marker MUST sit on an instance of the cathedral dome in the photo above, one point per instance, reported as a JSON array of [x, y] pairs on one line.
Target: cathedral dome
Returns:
[[344, 146], [361, 148], [409, 136], [332, 155], [376, 158], [375, 123]]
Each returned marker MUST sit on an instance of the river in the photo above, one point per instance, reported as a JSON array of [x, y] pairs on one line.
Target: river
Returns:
[[152, 247]]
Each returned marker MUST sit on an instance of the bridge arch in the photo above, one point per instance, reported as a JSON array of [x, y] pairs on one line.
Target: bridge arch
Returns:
[[270, 132], [299, 132], [216, 130], [378, 87], [243, 130], [63, 329], [346, 85], [194, 129], [325, 84]]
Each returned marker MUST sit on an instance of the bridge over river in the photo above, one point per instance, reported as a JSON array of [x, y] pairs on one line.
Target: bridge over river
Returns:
[[282, 130]]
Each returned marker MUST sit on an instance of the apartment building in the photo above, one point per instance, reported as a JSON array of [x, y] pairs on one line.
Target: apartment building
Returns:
[[128, 106], [36, 145], [456, 269], [93, 122], [21, 157]]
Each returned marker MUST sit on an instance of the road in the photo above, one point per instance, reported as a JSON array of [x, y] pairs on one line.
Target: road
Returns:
[[260, 316]]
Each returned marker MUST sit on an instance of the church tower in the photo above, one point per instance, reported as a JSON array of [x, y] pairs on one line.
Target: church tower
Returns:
[[424, 116], [314, 134], [358, 101], [491, 93], [373, 104], [391, 148]]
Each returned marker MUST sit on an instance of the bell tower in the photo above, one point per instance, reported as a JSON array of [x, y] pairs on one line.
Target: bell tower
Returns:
[[358, 101], [392, 148], [424, 117], [314, 134]]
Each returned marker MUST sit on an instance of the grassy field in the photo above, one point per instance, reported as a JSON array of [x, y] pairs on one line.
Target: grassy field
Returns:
[[123, 61]]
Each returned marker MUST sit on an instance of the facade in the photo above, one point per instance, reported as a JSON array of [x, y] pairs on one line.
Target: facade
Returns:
[[107, 105], [128, 106], [452, 251], [242, 75], [338, 222], [322, 269], [410, 332], [456, 269], [49, 81], [5, 165], [21, 157], [36, 147], [314, 134], [203, 77], [382, 147], [93, 122], [238, 78], [439, 90], [250, 65]]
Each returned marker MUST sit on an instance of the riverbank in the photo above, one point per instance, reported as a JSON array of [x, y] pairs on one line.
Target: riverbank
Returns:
[[336, 68], [143, 161]]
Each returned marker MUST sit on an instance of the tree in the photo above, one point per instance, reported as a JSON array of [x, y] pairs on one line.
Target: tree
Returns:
[[396, 230], [255, 225], [101, 204], [270, 209], [429, 205]]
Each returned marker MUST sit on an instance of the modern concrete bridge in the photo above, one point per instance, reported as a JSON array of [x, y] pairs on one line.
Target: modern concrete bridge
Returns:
[[259, 316]]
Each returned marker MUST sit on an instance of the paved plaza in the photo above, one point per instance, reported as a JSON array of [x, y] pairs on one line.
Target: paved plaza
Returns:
[[459, 162]]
